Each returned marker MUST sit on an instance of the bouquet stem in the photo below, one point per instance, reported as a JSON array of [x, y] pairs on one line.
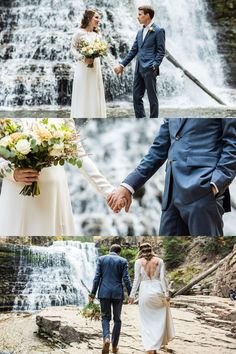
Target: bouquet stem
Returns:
[[32, 190], [90, 65]]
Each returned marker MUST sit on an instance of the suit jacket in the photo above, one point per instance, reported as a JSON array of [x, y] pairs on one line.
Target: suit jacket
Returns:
[[150, 52], [111, 271], [198, 151]]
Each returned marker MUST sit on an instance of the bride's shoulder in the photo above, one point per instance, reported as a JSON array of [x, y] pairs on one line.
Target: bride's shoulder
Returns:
[[78, 32]]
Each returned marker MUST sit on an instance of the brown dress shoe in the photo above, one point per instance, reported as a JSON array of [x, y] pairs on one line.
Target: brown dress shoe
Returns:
[[106, 346], [115, 349]]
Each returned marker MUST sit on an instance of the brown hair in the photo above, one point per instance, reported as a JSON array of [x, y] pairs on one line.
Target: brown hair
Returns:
[[115, 248], [147, 10], [87, 17], [146, 251]]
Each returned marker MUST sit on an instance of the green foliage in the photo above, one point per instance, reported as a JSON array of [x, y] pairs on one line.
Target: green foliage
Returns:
[[181, 277], [131, 255], [174, 250], [103, 250], [213, 246]]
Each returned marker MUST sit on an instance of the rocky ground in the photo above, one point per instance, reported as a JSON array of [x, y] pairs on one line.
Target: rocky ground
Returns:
[[203, 325]]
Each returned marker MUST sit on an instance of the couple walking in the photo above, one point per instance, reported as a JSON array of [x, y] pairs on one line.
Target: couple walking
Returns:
[[88, 98], [156, 324]]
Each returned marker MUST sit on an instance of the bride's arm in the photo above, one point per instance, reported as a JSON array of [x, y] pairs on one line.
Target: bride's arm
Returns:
[[90, 170], [163, 278], [137, 279], [74, 46], [6, 171]]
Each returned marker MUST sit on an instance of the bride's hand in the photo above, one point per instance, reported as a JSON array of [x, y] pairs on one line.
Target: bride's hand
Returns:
[[131, 300], [26, 176], [88, 61]]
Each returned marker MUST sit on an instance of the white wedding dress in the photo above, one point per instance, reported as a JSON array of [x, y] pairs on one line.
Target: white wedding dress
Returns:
[[50, 213], [88, 97], [156, 324]]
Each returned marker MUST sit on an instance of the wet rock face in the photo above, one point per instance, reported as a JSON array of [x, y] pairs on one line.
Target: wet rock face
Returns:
[[10, 259], [222, 15], [225, 276]]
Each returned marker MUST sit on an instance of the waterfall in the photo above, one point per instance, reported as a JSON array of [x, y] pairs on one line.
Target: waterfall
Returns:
[[58, 275], [37, 67]]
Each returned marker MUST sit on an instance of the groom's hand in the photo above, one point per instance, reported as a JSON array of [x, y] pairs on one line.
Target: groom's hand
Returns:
[[91, 299], [120, 196], [118, 69]]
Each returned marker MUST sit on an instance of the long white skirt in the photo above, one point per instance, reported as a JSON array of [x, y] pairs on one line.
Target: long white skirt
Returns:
[[49, 214], [156, 322], [88, 97]]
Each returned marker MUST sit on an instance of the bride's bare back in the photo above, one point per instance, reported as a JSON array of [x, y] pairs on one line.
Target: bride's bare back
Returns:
[[150, 267]]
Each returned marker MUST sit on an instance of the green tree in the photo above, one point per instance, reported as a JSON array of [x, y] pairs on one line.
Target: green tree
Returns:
[[174, 250]]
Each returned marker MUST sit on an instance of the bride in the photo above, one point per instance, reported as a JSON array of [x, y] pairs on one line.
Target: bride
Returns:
[[88, 98], [50, 213], [156, 323]]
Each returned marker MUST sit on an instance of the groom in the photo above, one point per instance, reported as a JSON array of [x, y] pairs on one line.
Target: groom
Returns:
[[111, 271], [200, 156], [149, 47]]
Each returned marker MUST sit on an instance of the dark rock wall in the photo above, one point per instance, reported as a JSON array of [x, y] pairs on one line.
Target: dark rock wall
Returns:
[[222, 15]]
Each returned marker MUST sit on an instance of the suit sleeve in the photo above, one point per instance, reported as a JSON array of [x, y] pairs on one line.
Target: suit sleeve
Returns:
[[152, 161], [126, 277], [132, 53], [225, 170], [97, 278], [160, 40]]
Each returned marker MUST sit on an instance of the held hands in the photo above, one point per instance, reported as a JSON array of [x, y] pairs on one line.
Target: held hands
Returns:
[[118, 69], [26, 176], [120, 198]]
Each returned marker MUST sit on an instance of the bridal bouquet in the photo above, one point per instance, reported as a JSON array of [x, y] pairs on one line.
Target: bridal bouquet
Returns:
[[94, 49], [92, 311], [42, 145]]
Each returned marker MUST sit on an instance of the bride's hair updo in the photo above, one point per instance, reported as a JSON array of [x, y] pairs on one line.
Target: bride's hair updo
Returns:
[[87, 17], [146, 251]]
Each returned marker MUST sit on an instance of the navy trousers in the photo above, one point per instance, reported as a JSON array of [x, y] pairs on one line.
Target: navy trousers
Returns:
[[145, 81], [106, 308], [202, 217]]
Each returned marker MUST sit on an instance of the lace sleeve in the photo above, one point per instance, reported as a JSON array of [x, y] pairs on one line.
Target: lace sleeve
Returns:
[[89, 170], [74, 45], [5, 170], [137, 279], [163, 278]]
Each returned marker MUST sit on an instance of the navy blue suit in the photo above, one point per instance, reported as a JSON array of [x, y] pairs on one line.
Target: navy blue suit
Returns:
[[111, 272], [199, 152], [150, 53]]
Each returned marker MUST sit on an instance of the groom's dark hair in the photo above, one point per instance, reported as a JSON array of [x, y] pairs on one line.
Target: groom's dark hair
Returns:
[[115, 248], [147, 10]]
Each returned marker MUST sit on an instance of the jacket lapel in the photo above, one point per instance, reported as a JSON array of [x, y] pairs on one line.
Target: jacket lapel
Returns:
[[181, 123]]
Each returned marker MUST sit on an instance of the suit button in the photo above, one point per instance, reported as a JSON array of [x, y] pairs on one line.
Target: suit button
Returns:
[[177, 137]]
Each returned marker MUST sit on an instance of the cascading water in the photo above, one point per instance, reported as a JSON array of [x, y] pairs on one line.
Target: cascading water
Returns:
[[57, 275], [37, 67]]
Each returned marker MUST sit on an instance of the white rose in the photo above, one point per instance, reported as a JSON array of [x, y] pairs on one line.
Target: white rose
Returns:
[[57, 150], [23, 146], [58, 134], [5, 141]]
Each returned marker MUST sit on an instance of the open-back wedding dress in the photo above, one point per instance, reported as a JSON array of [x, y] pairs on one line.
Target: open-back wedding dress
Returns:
[[156, 324], [50, 213]]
